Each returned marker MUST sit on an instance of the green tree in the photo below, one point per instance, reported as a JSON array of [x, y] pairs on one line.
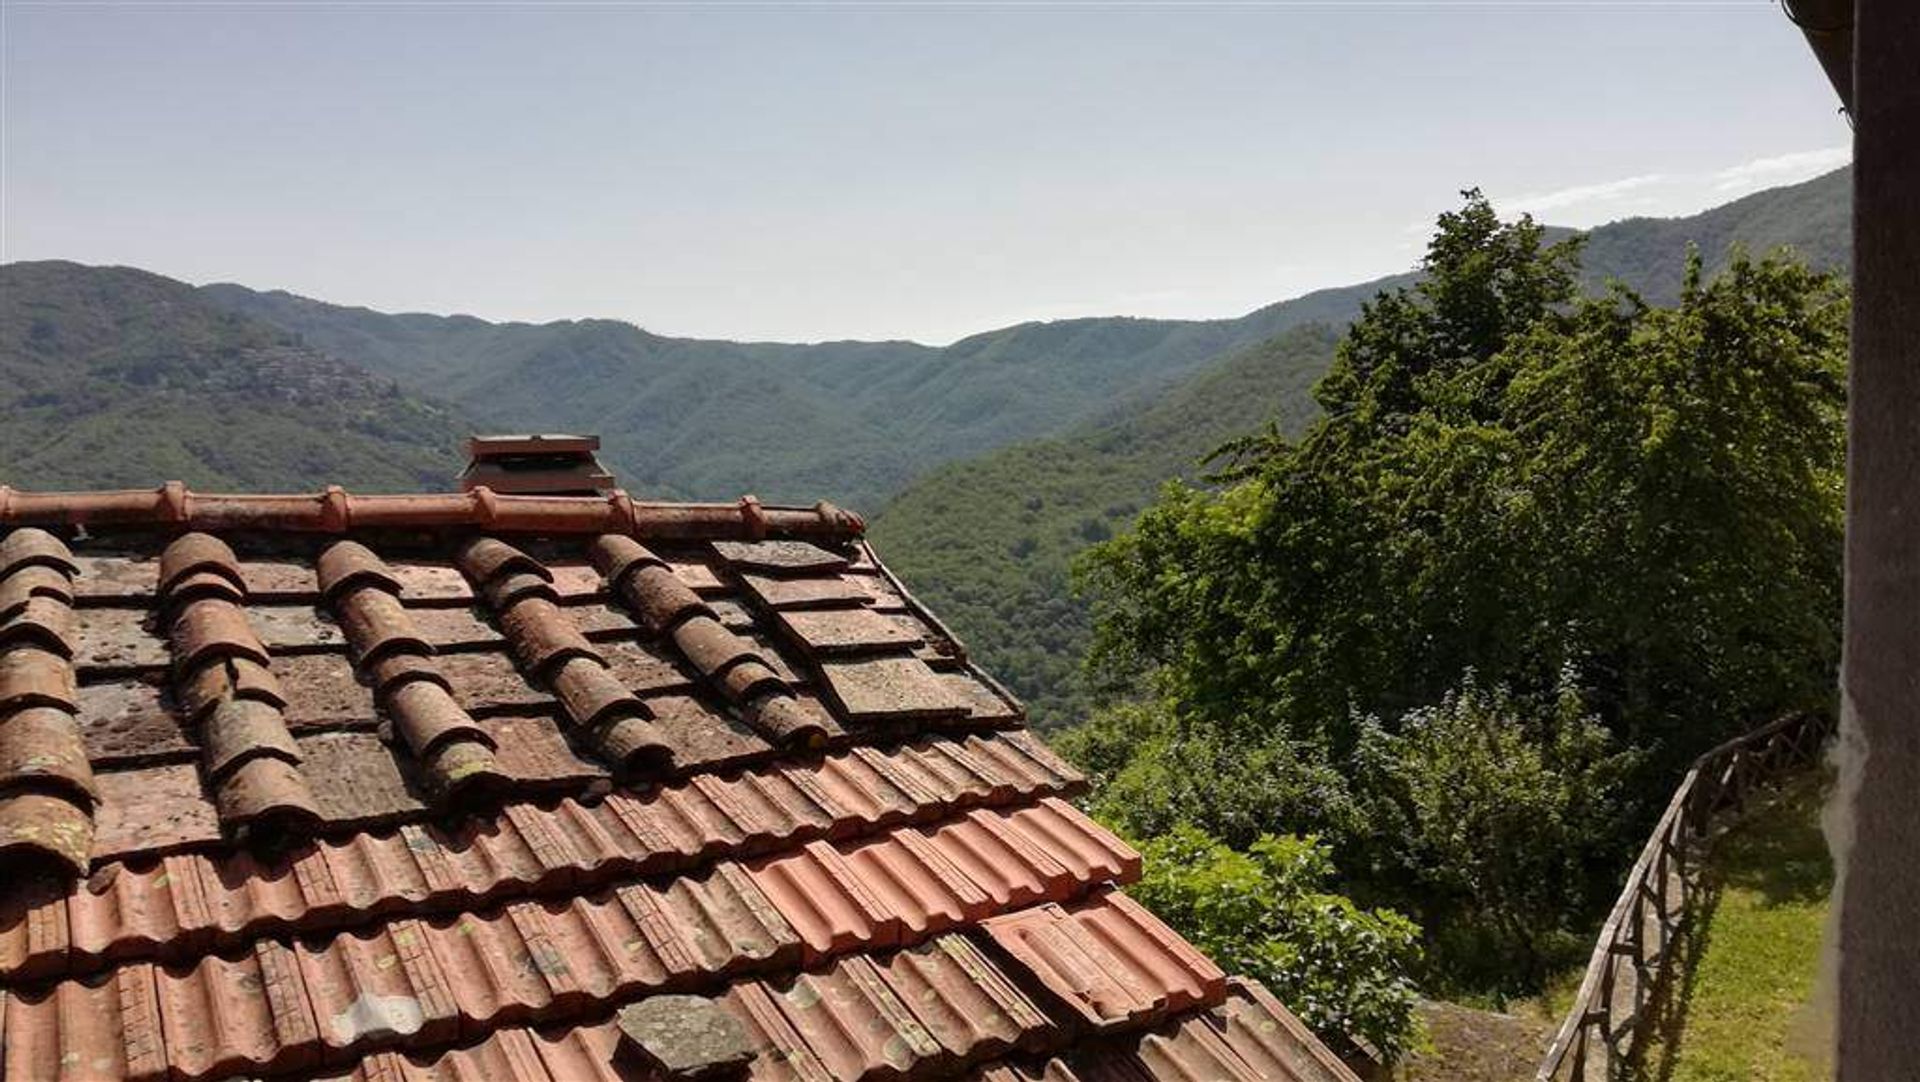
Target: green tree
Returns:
[[1508, 480], [1266, 913], [1499, 818]]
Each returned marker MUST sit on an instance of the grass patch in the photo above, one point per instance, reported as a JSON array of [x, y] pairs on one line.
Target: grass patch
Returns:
[[1743, 1012]]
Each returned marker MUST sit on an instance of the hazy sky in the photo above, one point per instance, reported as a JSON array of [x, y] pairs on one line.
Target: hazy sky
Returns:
[[865, 171]]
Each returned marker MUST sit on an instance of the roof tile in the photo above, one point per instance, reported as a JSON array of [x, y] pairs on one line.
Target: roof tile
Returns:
[[23, 585], [1270, 1039], [30, 676], [375, 623], [35, 933], [105, 1027], [779, 556], [230, 1016], [965, 1002], [915, 880], [832, 632], [827, 901], [854, 1023], [41, 749], [1006, 864], [1109, 960], [213, 628], [816, 592], [884, 689], [31, 547], [43, 621], [375, 989], [195, 554]]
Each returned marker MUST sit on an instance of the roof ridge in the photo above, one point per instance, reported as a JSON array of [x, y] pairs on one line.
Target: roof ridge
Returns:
[[334, 510]]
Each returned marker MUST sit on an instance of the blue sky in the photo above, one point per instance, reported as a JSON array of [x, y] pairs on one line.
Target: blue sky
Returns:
[[865, 171]]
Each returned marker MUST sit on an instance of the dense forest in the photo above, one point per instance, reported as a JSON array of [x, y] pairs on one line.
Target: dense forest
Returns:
[[1445, 652]]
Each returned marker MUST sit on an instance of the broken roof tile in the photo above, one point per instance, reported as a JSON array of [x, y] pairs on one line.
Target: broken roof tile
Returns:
[[206, 686]]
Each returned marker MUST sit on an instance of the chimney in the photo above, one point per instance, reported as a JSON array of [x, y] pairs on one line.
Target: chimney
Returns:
[[536, 465]]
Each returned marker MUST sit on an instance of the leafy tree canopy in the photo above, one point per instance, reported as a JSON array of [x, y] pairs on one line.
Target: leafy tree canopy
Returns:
[[1266, 913], [1538, 550], [1512, 480]]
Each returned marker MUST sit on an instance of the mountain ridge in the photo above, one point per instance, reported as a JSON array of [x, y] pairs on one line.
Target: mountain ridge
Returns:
[[857, 421]]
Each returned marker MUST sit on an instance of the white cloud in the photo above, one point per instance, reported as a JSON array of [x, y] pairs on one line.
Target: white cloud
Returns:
[[1671, 193], [1781, 169], [1582, 195]]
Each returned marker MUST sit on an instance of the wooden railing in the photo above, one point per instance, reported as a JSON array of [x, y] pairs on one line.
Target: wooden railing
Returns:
[[1634, 958]]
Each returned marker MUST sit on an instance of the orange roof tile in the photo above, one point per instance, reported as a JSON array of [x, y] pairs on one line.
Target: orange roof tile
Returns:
[[378, 787]]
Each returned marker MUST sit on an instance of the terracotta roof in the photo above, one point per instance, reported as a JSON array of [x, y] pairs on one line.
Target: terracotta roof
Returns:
[[436, 787]]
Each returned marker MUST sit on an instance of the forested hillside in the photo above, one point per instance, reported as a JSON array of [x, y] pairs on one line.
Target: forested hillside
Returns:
[[116, 377], [987, 542], [853, 422]]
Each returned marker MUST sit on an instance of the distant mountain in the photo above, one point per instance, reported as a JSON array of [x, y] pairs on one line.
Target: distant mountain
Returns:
[[856, 422], [849, 421], [1813, 218], [115, 377], [987, 541]]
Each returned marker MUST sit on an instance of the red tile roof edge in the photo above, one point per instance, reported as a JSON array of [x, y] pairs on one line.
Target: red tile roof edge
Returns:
[[334, 510]]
